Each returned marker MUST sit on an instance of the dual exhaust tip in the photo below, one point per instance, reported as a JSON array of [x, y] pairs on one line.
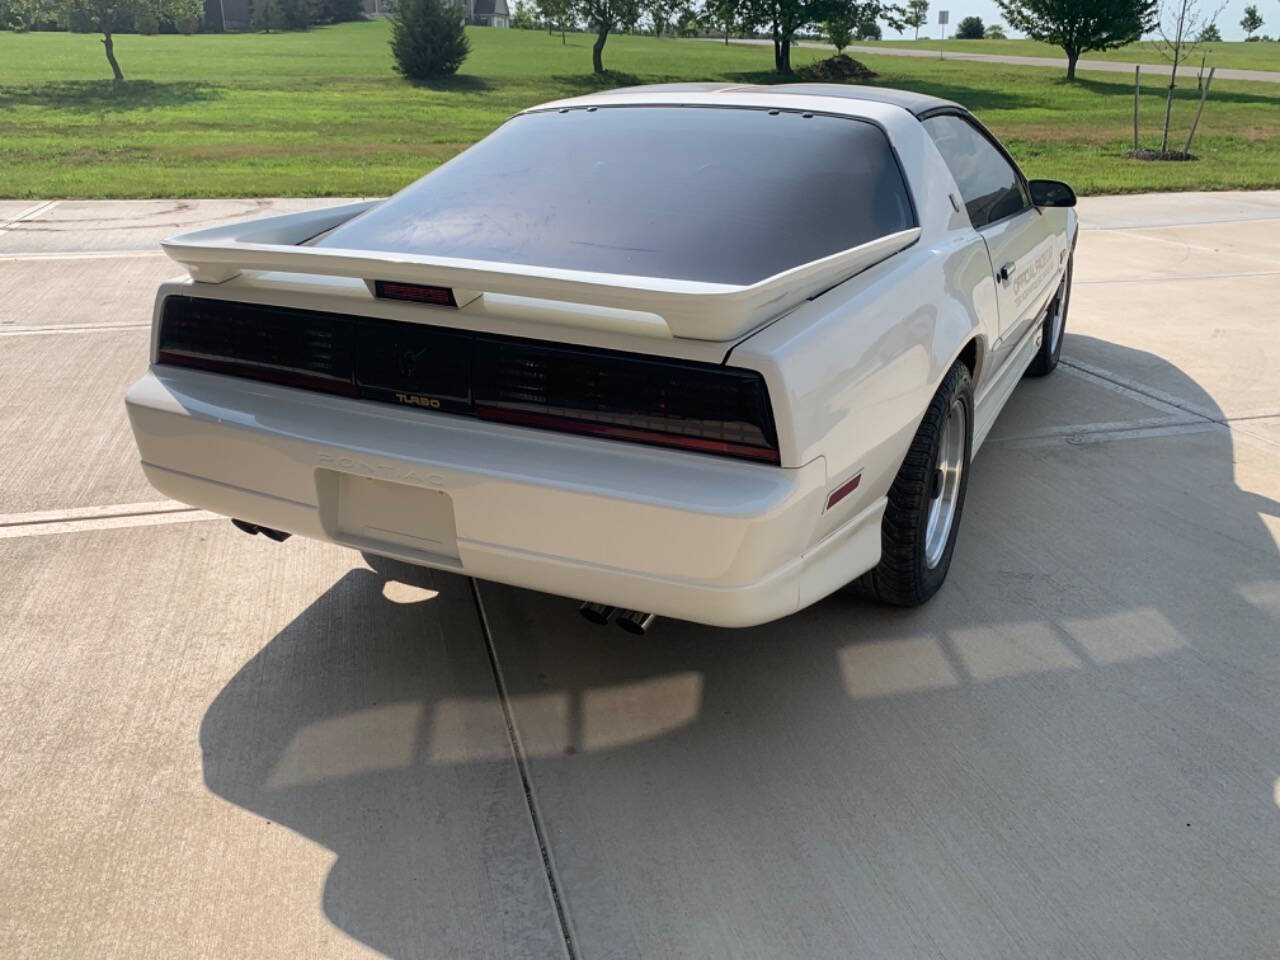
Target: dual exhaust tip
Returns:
[[632, 621], [279, 536]]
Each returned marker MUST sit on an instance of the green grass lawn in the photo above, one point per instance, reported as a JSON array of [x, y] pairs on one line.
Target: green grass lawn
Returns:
[[322, 113], [1228, 53]]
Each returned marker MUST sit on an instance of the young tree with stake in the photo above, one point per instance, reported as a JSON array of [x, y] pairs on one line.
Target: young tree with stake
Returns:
[[1179, 27]]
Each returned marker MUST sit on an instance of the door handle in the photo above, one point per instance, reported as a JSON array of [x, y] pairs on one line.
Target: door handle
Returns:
[[1007, 271]]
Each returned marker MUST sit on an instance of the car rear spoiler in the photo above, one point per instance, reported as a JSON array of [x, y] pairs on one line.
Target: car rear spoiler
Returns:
[[656, 306]]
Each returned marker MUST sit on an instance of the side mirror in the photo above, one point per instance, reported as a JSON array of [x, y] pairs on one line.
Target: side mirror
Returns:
[[1051, 193]]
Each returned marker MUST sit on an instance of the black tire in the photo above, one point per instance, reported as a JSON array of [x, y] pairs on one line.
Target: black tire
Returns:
[[904, 577], [1046, 358]]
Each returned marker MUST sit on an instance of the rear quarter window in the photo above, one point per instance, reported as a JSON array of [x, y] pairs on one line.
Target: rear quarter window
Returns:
[[991, 188], [712, 194]]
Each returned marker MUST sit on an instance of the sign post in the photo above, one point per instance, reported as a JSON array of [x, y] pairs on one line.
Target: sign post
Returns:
[[943, 17]]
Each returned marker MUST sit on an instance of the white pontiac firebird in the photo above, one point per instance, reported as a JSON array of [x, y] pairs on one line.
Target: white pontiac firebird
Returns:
[[704, 351]]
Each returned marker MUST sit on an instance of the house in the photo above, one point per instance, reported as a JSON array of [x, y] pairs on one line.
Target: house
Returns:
[[226, 15], [486, 13], [479, 13]]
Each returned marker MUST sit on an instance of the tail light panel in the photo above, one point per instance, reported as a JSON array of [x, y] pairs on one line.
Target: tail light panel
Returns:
[[700, 407]]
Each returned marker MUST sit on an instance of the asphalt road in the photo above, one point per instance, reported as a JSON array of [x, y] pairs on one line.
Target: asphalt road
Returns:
[[215, 746], [1105, 66]]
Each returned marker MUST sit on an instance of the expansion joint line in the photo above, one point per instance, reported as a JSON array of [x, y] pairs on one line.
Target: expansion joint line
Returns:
[[526, 780]]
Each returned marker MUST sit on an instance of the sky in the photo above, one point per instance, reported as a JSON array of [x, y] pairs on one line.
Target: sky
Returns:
[[1228, 21]]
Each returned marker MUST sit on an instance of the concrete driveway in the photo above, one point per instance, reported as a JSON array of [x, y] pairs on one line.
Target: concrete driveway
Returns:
[[216, 746]]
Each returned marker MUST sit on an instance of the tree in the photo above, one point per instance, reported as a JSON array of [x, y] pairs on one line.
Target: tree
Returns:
[[522, 17], [1078, 26], [427, 39], [994, 32], [916, 15], [601, 17], [1177, 25], [783, 18], [555, 14], [1210, 34], [688, 21], [868, 29], [839, 31], [1251, 22], [106, 16], [23, 15], [970, 28], [724, 15], [661, 13]]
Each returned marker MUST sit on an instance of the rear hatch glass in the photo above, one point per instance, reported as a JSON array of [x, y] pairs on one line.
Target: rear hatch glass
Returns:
[[715, 194]]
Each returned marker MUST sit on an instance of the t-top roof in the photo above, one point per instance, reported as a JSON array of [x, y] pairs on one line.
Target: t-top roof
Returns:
[[909, 100]]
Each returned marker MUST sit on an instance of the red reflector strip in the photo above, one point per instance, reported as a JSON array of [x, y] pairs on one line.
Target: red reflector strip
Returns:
[[614, 431], [414, 292], [842, 491]]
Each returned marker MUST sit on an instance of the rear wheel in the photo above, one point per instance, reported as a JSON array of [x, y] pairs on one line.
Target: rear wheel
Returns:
[[918, 534], [1055, 324]]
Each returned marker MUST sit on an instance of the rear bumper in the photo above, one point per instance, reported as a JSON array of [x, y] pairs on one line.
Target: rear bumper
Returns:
[[681, 535]]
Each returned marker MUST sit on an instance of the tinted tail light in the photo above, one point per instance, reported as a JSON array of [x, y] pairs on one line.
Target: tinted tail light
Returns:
[[603, 393]]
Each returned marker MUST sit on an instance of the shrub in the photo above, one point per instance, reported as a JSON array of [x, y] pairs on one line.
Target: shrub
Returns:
[[994, 32], [285, 14], [970, 28], [1210, 34], [341, 11], [427, 39]]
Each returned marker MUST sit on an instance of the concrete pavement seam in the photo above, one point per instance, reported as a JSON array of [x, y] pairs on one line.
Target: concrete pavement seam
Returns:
[[526, 780], [1134, 390], [1216, 276], [115, 522]]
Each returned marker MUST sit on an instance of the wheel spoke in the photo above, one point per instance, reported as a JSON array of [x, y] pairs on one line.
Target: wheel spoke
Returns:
[[946, 485]]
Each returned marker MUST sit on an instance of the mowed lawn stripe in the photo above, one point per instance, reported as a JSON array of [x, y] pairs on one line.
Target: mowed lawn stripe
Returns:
[[322, 113]]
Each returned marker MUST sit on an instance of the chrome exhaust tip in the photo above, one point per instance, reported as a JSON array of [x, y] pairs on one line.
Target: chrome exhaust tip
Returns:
[[597, 613], [635, 621]]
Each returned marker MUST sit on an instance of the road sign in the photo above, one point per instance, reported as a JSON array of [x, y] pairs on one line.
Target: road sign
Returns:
[[944, 17]]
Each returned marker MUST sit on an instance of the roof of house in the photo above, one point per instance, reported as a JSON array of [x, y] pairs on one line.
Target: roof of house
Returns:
[[488, 8]]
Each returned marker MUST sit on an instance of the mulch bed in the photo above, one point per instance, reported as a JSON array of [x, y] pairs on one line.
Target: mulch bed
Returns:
[[1157, 155], [841, 68]]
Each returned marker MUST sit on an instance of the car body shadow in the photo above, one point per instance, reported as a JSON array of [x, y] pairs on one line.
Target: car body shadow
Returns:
[[1048, 661]]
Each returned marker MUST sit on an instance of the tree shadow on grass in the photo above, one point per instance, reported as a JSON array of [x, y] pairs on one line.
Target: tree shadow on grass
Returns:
[[104, 95], [1158, 87], [455, 84], [592, 82]]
